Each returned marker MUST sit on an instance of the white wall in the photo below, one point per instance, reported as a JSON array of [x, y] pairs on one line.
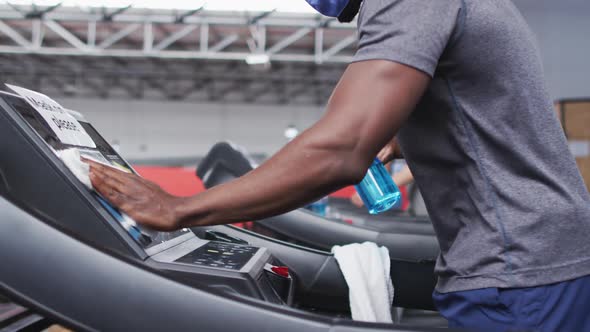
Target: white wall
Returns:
[[563, 32], [154, 129]]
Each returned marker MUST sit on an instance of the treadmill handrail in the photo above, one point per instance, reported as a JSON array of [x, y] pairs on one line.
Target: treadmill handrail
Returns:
[[297, 223]]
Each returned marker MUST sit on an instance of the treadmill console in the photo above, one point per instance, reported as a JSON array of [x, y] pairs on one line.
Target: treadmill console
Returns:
[[104, 153], [180, 252]]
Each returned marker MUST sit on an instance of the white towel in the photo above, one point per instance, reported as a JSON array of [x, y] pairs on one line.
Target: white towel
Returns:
[[71, 158], [366, 270]]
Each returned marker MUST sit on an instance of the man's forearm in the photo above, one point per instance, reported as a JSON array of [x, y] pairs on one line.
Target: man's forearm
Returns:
[[334, 153], [307, 169]]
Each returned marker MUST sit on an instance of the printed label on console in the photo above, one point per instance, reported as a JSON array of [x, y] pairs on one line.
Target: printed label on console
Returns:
[[65, 126]]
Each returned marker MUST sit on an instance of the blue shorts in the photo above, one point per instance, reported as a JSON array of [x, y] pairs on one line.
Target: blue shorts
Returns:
[[563, 306]]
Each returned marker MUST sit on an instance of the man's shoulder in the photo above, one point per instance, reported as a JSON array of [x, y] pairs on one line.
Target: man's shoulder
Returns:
[[406, 7]]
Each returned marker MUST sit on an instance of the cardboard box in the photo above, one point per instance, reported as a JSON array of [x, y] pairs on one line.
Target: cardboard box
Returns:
[[584, 166], [575, 118]]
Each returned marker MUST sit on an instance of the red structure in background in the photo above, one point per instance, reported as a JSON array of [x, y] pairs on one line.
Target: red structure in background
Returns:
[[177, 181], [182, 181]]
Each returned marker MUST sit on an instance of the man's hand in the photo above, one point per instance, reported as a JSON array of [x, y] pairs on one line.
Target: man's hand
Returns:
[[389, 152], [144, 201]]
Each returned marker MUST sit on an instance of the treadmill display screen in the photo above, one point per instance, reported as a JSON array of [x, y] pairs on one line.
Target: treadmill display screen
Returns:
[[103, 152]]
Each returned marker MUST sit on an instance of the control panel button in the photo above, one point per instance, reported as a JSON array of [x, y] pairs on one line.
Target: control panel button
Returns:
[[282, 271], [220, 255]]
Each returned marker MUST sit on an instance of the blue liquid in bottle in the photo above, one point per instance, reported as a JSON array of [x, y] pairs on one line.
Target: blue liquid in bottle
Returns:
[[377, 190]]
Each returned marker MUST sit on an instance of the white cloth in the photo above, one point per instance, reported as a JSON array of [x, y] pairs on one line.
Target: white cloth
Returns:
[[366, 270], [71, 157], [80, 169]]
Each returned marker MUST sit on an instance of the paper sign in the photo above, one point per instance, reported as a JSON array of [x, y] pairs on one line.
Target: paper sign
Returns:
[[65, 126]]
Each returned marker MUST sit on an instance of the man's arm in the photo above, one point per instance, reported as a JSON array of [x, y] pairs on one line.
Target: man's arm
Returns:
[[367, 107]]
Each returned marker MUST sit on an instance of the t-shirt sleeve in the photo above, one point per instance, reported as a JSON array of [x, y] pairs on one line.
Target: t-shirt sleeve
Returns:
[[411, 32]]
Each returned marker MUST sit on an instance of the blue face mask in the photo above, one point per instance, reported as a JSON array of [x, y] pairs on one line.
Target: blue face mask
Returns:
[[344, 10]]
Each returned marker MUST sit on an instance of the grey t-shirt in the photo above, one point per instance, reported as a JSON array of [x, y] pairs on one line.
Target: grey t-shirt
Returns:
[[505, 196]]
